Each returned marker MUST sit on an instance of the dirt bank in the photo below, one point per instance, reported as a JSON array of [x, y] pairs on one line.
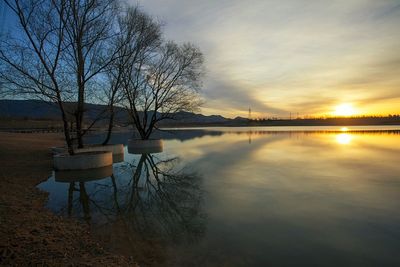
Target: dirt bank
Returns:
[[30, 234]]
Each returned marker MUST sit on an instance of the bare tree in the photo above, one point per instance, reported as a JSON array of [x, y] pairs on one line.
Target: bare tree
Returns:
[[139, 35], [70, 47], [160, 198], [162, 84], [63, 54], [32, 64], [88, 32]]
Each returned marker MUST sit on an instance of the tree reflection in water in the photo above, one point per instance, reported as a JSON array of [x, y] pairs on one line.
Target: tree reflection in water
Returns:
[[151, 200], [164, 201], [83, 199]]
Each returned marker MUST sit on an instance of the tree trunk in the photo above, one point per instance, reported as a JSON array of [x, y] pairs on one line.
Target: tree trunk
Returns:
[[79, 127], [150, 129], [139, 127], [79, 115], [148, 134], [142, 132], [67, 134], [84, 198], [70, 197], [81, 93], [110, 126]]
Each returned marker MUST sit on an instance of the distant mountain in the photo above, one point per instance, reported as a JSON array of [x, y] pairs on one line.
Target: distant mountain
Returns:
[[41, 110], [240, 119], [28, 109], [188, 117]]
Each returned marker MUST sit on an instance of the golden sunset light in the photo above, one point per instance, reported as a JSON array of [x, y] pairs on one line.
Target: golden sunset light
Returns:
[[345, 110], [328, 53], [343, 138], [200, 133]]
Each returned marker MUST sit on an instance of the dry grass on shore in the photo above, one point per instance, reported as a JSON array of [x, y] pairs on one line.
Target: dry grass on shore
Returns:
[[29, 233]]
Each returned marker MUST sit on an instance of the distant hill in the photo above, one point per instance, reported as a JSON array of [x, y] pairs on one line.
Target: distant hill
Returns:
[[41, 110], [192, 118], [28, 109]]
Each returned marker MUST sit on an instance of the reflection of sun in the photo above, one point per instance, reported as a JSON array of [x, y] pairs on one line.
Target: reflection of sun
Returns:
[[344, 129], [344, 110], [343, 139]]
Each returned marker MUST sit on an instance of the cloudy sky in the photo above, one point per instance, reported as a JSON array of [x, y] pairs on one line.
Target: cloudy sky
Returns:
[[299, 56]]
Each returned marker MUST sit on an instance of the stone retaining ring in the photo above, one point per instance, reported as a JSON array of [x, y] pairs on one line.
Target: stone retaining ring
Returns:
[[82, 161], [150, 146], [115, 149], [58, 150], [83, 175]]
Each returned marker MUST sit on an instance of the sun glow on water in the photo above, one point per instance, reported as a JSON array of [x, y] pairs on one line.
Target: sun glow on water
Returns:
[[343, 138]]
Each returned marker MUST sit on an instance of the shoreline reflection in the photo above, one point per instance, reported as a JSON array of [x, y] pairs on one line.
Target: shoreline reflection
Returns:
[[327, 190], [150, 199]]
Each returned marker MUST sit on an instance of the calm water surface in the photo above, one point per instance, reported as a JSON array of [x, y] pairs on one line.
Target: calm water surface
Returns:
[[312, 196]]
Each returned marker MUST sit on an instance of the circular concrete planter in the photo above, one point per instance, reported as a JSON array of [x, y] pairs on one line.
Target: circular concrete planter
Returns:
[[150, 146], [115, 149], [83, 175], [82, 161], [58, 150]]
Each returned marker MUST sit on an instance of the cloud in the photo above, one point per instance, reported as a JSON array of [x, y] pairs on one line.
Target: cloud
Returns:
[[277, 56], [226, 95], [286, 56]]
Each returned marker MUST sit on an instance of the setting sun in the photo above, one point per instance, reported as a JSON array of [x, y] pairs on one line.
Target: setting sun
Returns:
[[344, 110]]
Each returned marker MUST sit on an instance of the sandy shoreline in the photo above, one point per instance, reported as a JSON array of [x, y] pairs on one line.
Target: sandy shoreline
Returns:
[[29, 233]]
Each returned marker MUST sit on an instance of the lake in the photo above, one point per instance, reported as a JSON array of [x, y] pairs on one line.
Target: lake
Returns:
[[259, 196]]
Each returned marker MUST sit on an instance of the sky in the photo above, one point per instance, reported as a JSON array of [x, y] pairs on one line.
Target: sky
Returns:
[[306, 57], [299, 57]]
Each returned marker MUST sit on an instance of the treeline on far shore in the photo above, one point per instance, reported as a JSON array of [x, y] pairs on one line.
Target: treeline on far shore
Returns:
[[360, 120], [24, 122], [331, 121]]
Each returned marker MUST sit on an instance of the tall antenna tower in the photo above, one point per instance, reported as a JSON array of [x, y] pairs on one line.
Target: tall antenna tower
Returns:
[[249, 113]]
